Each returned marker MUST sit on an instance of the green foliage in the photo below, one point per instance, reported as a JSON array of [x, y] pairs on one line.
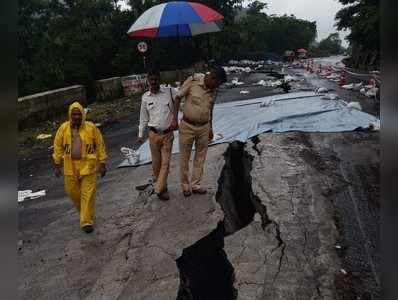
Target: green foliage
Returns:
[[70, 42], [362, 18], [260, 32], [328, 46]]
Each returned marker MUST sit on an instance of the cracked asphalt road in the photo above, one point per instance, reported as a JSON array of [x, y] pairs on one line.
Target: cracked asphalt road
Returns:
[[305, 194]]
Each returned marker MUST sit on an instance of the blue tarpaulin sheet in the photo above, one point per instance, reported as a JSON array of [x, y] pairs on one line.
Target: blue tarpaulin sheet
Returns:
[[302, 111]]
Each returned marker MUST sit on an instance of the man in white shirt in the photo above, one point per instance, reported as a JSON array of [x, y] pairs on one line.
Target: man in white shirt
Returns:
[[157, 114]]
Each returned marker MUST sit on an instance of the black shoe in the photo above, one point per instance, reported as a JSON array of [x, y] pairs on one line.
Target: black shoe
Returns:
[[186, 193], [88, 228], [163, 196], [199, 191]]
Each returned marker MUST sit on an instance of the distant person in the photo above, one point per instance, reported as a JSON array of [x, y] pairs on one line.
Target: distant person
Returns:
[[157, 114], [196, 125], [80, 149]]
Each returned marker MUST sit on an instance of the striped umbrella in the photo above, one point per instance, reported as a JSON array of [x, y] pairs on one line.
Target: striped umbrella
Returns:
[[176, 19]]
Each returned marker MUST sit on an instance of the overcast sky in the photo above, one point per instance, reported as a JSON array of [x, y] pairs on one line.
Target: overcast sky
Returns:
[[321, 11]]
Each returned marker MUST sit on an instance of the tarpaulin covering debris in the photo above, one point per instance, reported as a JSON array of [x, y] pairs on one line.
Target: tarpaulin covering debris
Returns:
[[301, 111]]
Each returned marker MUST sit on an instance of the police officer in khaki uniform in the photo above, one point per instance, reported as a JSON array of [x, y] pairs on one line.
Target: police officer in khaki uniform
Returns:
[[196, 125], [157, 114]]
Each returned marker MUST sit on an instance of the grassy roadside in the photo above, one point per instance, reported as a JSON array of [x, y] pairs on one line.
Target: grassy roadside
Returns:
[[100, 112]]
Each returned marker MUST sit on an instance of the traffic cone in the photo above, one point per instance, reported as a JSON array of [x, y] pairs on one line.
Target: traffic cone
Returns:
[[343, 78], [319, 71], [327, 72]]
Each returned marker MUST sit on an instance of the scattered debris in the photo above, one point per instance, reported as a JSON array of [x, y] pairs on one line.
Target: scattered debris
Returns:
[[98, 124], [357, 87], [218, 136], [149, 183], [43, 136], [245, 62], [330, 97], [333, 76], [267, 103], [372, 92], [353, 86], [257, 217], [343, 271], [289, 78], [337, 247], [235, 81], [321, 90], [354, 105], [234, 69], [133, 156], [269, 83], [374, 126], [29, 195], [348, 86], [244, 92]]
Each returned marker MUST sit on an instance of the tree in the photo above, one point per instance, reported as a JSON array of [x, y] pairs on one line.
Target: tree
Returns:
[[331, 45], [69, 42], [260, 32], [362, 18]]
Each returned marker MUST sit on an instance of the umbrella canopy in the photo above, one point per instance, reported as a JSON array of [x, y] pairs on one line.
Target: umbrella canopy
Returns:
[[301, 50], [174, 19]]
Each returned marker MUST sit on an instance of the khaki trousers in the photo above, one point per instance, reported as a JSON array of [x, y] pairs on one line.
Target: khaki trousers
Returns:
[[188, 135], [161, 146], [81, 190]]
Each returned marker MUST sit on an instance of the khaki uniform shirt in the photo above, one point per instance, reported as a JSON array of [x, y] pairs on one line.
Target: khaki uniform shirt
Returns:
[[198, 99]]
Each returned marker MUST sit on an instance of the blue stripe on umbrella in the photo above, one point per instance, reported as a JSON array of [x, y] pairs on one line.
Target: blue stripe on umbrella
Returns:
[[172, 14], [174, 30]]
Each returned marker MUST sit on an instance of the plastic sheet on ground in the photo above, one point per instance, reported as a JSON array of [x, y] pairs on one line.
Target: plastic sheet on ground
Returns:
[[30, 195], [43, 136], [301, 111]]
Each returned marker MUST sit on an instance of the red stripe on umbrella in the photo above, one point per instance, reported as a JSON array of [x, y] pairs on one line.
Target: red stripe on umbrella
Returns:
[[207, 15], [150, 32]]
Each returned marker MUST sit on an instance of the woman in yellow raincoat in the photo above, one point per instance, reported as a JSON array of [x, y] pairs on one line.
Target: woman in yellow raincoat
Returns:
[[79, 145]]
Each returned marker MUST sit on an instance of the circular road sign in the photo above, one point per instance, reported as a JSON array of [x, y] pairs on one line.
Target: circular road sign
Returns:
[[142, 47]]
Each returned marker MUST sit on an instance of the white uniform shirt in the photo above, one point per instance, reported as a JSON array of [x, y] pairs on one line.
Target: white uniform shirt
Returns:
[[156, 110]]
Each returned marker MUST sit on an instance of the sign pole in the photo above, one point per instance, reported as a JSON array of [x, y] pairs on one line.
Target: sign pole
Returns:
[[142, 48]]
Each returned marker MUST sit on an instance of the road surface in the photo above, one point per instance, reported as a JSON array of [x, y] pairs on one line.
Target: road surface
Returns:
[[288, 216]]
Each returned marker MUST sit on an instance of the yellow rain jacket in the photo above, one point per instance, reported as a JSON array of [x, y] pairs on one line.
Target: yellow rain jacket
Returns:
[[93, 147]]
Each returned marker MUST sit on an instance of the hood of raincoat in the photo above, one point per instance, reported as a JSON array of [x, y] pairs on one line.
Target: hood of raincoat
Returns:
[[79, 107]]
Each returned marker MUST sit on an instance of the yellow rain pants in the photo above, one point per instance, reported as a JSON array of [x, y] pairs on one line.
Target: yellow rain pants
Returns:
[[81, 189]]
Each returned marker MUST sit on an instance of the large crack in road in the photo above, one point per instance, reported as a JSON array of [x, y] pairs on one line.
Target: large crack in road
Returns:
[[205, 271]]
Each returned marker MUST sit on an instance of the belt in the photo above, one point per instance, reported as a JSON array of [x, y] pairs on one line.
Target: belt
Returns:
[[158, 131], [194, 123]]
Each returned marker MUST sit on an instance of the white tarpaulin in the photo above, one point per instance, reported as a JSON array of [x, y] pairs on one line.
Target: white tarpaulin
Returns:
[[302, 111]]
